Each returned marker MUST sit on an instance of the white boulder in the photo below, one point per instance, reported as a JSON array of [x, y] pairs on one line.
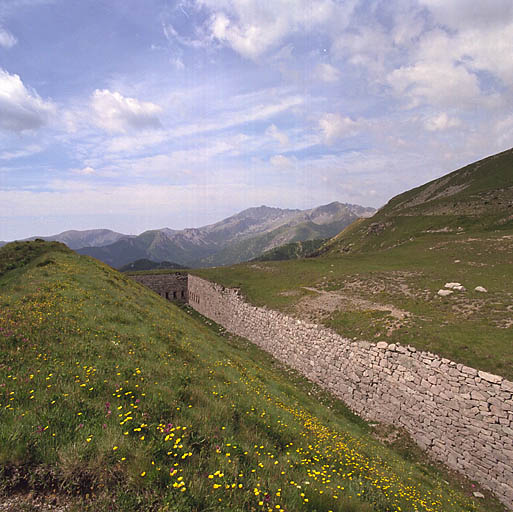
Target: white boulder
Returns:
[[481, 289], [445, 293]]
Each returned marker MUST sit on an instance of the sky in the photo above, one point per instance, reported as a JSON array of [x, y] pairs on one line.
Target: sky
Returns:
[[140, 114]]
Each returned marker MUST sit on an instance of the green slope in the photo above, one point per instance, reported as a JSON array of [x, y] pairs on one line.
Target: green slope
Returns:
[[476, 198], [361, 290], [118, 400], [249, 248], [145, 264], [292, 251], [378, 279]]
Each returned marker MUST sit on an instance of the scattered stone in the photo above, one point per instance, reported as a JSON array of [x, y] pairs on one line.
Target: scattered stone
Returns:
[[478, 495], [481, 289], [453, 286], [445, 293], [489, 377], [457, 261]]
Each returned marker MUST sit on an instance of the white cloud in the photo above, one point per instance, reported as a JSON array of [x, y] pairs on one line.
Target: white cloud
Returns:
[[476, 49], [20, 108], [116, 113], [278, 135], [281, 161], [253, 27], [367, 46], [129, 144], [86, 171], [21, 153], [70, 198], [262, 106], [502, 133], [441, 122], [327, 73], [460, 14], [437, 83], [478, 35], [177, 62], [7, 40], [335, 126]]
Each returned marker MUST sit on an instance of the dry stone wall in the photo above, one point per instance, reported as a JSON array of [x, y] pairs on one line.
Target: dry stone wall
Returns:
[[170, 286], [463, 416]]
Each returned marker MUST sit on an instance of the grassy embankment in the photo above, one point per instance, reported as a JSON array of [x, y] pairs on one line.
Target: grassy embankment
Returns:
[[114, 396], [468, 327]]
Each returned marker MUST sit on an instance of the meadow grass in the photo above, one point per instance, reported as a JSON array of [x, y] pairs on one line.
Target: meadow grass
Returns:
[[122, 400], [468, 327]]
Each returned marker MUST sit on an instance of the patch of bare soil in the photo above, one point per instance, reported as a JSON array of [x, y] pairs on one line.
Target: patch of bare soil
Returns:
[[395, 283], [290, 293], [318, 307], [262, 267], [33, 502], [466, 308]]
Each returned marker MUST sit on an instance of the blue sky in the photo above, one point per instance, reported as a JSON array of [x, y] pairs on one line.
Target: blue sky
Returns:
[[132, 114]]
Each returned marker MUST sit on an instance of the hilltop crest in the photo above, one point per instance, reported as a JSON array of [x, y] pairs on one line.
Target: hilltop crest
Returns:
[[475, 198]]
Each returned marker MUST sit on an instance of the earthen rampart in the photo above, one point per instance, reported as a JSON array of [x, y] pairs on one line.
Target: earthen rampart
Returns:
[[462, 416]]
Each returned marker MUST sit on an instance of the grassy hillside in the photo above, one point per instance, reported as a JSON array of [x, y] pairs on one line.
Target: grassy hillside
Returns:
[[379, 278], [476, 198], [292, 251], [392, 295], [113, 399], [145, 264]]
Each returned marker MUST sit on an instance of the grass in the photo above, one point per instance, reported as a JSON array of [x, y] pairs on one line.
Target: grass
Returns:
[[468, 327], [292, 251], [119, 400]]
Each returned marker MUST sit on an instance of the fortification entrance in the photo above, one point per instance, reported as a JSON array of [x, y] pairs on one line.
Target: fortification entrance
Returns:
[[169, 286]]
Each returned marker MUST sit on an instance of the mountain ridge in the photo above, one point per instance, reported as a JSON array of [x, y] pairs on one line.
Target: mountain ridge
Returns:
[[237, 238], [75, 239]]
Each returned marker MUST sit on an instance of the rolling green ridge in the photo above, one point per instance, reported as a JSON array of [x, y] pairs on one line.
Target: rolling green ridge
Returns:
[[112, 398], [292, 251], [145, 264], [75, 239], [478, 197]]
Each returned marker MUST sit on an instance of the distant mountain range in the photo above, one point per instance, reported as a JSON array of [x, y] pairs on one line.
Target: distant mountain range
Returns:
[[238, 238], [89, 238]]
